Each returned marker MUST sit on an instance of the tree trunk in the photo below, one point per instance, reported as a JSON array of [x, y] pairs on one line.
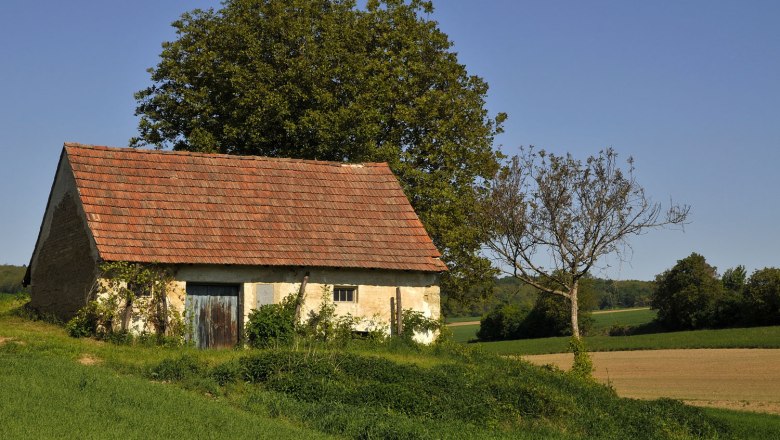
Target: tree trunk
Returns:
[[299, 299], [575, 323]]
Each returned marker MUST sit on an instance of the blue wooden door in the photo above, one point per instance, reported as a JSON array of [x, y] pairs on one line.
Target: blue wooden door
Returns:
[[213, 311]]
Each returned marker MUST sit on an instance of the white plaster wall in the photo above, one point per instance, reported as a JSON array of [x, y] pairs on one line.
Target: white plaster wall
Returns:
[[419, 290]]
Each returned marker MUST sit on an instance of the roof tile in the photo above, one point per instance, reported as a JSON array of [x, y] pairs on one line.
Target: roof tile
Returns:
[[179, 207]]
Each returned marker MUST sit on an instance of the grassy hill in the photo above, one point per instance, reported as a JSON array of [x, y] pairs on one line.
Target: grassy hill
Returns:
[[11, 278], [57, 386]]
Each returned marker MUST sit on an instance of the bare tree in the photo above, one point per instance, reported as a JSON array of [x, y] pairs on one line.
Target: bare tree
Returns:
[[551, 218]]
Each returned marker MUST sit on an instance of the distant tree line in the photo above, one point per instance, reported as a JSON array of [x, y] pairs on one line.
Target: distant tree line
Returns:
[[601, 294], [520, 311], [691, 295], [11, 278]]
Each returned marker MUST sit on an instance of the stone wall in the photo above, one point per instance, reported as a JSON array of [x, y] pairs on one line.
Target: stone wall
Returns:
[[63, 268]]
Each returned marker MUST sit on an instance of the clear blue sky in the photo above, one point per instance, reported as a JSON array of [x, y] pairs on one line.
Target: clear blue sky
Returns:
[[690, 89]]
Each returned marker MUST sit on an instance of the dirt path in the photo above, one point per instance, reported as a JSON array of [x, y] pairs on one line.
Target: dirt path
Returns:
[[604, 312], [459, 324], [746, 379]]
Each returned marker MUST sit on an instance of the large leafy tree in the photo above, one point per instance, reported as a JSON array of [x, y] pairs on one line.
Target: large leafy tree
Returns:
[[762, 295], [324, 79], [689, 294]]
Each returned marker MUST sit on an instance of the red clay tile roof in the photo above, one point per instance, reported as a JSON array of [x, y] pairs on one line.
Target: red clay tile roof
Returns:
[[177, 207]]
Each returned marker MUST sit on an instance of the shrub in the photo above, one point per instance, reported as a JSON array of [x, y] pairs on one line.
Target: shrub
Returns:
[[415, 322], [177, 369], [583, 365], [323, 325], [550, 316], [229, 372], [271, 324], [620, 330], [116, 304], [85, 323], [503, 322]]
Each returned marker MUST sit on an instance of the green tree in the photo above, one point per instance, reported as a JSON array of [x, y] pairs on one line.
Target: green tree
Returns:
[[762, 296], [734, 279], [324, 79], [688, 295]]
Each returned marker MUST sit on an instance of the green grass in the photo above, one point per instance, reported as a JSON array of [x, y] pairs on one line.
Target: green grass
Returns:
[[755, 337], [464, 333], [602, 322], [747, 425], [361, 391], [49, 397]]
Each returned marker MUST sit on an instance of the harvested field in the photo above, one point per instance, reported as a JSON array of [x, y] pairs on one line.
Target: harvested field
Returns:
[[745, 379]]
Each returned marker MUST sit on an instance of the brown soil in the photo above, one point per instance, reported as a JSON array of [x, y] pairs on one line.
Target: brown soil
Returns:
[[3, 340], [604, 312], [747, 379], [87, 359], [459, 324]]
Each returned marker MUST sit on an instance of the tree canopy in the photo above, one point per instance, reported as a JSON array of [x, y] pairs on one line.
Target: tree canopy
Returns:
[[324, 79], [762, 295], [688, 295]]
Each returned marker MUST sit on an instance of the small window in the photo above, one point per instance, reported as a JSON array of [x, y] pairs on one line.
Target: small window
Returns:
[[344, 294]]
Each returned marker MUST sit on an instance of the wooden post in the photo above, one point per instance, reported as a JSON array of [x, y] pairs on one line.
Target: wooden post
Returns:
[[399, 311], [299, 299], [393, 325]]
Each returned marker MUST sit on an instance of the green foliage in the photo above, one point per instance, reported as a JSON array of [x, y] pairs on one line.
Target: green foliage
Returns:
[[323, 325], [327, 80], [503, 322], [687, 296], [127, 292], [11, 278], [734, 279], [271, 324], [550, 316], [619, 294], [461, 394], [177, 369], [415, 321], [690, 296], [583, 365], [762, 297], [85, 323], [603, 294]]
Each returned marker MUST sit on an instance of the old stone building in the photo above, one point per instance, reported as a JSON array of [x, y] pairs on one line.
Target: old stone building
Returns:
[[236, 231]]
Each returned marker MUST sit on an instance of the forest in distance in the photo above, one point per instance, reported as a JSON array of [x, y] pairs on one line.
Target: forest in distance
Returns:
[[11, 278], [597, 294]]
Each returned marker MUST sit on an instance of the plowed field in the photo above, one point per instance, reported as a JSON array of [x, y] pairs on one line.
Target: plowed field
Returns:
[[747, 379]]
